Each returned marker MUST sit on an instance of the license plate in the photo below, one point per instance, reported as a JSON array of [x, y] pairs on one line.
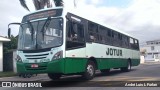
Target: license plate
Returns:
[[34, 66]]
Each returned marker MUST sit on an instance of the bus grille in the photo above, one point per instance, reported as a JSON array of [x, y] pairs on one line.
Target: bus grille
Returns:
[[37, 56]]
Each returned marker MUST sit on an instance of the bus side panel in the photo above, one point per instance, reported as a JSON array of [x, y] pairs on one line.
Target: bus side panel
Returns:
[[75, 61], [104, 60], [135, 62], [56, 66], [75, 65], [135, 58], [107, 63]]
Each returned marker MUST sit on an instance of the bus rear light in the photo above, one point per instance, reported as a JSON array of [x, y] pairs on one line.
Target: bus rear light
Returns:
[[58, 55]]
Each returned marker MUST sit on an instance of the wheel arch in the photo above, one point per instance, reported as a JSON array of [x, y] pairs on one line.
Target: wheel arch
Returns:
[[130, 61], [93, 59]]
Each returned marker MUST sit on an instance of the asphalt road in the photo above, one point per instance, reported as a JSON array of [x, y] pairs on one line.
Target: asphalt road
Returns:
[[143, 72]]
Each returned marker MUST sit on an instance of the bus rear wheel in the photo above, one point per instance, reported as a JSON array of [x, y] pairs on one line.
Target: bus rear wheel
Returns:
[[128, 68], [54, 76], [90, 71]]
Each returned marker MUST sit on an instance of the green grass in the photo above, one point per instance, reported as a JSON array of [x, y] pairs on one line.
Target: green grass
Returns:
[[7, 74]]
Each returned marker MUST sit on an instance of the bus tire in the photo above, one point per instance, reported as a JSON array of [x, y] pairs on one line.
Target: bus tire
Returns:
[[128, 68], [54, 76], [90, 71], [24, 75], [105, 70]]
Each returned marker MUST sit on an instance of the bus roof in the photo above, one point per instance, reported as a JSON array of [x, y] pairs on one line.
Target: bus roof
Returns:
[[102, 24], [44, 10], [73, 11]]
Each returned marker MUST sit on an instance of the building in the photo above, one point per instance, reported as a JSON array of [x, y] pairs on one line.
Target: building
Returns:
[[2, 39], [151, 50]]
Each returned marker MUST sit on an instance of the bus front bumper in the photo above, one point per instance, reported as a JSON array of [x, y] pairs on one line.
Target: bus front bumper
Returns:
[[55, 66]]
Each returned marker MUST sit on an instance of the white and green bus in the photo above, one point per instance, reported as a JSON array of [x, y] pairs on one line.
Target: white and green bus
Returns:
[[58, 42]]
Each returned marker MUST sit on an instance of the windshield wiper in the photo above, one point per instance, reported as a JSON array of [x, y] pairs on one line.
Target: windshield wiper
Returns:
[[32, 29], [46, 24]]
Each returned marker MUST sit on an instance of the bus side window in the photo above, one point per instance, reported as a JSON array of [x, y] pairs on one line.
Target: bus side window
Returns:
[[93, 32], [112, 34], [125, 41], [136, 44], [108, 32], [80, 32], [72, 31], [102, 33], [132, 43], [75, 35]]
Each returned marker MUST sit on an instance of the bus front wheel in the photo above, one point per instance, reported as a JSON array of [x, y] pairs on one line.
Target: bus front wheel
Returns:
[[128, 68], [90, 71], [54, 76]]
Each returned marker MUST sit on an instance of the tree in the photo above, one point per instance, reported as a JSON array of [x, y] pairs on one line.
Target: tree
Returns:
[[7, 46], [58, 2], [23, 3], [39, 4]]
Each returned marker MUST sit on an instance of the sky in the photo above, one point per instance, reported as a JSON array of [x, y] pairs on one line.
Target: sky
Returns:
[[139, 18]]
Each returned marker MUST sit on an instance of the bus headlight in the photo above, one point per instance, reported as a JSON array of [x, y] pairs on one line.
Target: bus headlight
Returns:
[[58, 55], [18, 58]]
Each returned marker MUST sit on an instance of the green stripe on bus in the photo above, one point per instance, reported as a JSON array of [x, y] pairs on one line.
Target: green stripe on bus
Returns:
[[74, 65]]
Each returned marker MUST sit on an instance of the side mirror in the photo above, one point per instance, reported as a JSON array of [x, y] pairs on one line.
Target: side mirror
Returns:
[[9, 29], [9, 32]]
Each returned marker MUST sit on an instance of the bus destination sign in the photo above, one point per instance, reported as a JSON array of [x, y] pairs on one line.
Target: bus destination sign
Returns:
[[43, 14]]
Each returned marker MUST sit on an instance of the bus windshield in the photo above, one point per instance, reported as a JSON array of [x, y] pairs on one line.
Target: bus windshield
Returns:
[[41, 34]]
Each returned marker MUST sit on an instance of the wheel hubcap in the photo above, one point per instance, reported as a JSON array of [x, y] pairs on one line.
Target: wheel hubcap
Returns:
[[90, 70]]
